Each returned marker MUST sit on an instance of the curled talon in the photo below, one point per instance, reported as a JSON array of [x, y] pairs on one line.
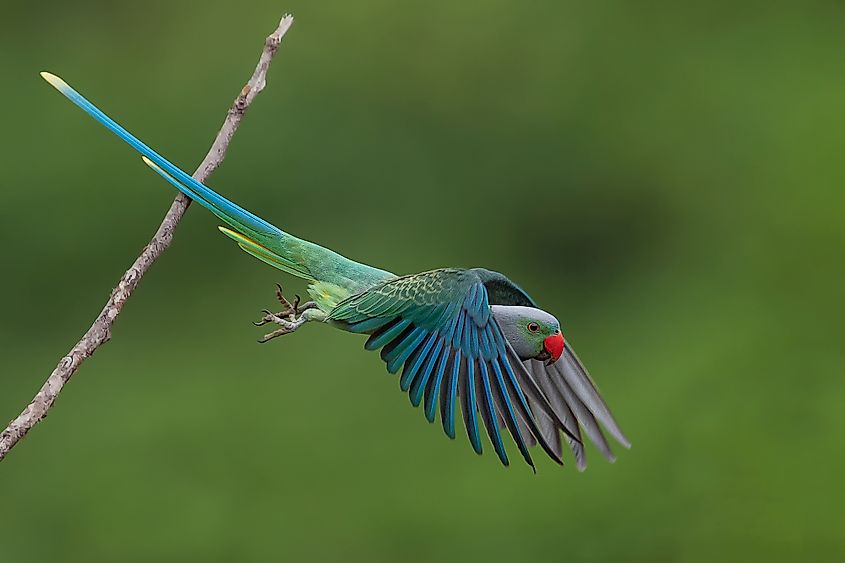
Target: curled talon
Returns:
[[281, 297]]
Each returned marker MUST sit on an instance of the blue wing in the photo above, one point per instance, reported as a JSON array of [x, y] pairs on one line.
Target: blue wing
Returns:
[[437, 328]]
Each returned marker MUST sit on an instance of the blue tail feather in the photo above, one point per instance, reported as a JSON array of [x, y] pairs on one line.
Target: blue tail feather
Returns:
[[214, 202]]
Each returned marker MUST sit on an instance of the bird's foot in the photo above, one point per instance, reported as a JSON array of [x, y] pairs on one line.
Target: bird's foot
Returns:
[[285, 326], [290, 318]]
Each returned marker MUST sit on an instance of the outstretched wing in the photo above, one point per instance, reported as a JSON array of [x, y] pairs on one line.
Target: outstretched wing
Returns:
[[437, 326], [577, 402]]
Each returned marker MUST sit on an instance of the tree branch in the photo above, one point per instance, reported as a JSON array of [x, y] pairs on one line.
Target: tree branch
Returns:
[[100, 331]]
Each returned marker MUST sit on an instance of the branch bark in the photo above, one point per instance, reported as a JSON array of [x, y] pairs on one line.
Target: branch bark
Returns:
[[100, 331]]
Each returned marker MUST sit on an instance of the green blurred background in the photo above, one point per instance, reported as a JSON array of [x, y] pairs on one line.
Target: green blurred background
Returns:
[[666, 178]]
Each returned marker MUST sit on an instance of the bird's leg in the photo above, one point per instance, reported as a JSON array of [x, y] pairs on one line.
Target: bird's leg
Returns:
[[305, 306], [286, 326], [291, 317]]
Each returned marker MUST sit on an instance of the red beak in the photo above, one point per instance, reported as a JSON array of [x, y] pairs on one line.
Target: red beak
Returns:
[[554, 346]]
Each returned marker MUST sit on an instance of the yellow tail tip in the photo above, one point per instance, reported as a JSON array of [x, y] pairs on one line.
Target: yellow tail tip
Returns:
[[150, 163], [54, 81]]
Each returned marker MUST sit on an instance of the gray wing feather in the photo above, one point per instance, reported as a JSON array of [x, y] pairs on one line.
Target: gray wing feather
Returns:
[[548, 428], [585, 418], [561, 409], [573, 372]]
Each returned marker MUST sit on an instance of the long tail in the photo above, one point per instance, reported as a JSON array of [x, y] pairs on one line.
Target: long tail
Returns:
[[249, 229], [252, 233]]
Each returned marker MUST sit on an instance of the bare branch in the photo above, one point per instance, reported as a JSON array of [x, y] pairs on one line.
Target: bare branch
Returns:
[[100, 331]]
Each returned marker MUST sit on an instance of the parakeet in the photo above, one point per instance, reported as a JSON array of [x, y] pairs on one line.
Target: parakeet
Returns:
[[464, 339]]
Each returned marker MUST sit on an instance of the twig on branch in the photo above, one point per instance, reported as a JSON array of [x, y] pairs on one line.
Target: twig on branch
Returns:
[[100, 331]]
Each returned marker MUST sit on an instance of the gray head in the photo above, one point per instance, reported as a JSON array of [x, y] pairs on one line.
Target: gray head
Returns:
[[533, 333]]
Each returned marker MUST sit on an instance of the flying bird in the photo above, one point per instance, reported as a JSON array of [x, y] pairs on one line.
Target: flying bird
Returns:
[[464, 339]]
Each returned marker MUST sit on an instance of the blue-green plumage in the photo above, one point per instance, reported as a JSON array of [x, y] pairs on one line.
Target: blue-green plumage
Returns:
[[488, 412], [447, 403], [413, 366], [379, 339], [466, 392], [433, 388], [403, 351], [441, 327], [420, 382], [507, 410]]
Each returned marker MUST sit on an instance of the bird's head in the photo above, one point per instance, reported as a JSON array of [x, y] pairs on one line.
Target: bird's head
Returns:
[[533, 333]]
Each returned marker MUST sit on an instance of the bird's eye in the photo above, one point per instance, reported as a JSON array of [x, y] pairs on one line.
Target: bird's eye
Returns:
[[533, 327]]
